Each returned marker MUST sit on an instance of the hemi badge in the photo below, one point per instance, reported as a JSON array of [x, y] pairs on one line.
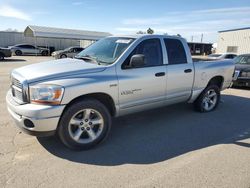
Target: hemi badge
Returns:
[[112, 85]]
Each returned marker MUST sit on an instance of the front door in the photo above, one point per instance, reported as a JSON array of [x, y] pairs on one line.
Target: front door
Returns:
[[145, 85]]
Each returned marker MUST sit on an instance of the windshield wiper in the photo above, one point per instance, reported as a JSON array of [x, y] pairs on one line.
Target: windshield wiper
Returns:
[[88, 57]]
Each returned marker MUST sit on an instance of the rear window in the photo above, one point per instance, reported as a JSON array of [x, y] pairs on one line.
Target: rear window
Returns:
[[176, 51]]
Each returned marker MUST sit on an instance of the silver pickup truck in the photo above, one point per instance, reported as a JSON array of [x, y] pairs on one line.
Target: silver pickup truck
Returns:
[[118, 75]]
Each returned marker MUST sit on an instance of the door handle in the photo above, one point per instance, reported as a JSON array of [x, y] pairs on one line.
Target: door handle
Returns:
[[160, 74], [188, 70]]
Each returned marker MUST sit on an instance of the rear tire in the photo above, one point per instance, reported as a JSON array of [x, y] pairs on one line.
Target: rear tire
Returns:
[[84, 124], [208, 100], [1, 56], [45, 53], [18, 52]]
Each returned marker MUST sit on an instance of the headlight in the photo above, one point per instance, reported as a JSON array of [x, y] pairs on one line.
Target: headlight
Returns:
[[46, 94]]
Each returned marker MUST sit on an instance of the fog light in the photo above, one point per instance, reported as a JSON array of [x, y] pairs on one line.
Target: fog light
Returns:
[[28, 123]]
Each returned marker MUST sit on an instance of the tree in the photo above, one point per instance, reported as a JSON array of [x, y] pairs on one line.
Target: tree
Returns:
[[140, 32], [11, 30], [150, 31]]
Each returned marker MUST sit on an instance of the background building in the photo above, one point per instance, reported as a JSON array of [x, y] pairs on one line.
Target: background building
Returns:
[[54, 38], [234, 41], [197, 48]]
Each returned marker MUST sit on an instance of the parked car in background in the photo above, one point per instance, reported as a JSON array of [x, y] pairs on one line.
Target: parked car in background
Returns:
[[221, 56], [242, 71], [23, 49], [68, 52], [4, 52], [115, 76]]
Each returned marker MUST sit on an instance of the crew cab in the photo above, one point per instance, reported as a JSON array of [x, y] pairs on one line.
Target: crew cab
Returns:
[[118, 75]]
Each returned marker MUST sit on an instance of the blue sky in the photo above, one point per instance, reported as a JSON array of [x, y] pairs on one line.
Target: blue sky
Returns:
[[186, 17]]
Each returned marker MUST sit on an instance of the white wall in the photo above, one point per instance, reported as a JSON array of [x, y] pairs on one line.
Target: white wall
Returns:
[[12, 38], [239, 38]]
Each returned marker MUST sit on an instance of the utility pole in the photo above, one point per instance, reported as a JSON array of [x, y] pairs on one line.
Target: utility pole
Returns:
[[192, 38], [201, 37]]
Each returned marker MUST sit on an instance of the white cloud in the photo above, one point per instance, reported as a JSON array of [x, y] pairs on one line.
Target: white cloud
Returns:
[[8, 11], [77, 3], [191, 23]]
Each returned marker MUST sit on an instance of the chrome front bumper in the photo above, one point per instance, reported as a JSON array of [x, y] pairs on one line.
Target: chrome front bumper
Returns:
[[44, 118]]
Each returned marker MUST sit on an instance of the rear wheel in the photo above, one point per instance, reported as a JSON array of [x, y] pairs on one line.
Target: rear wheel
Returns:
[[18, 52], [44, 53], [208, 99], [1, 56], [84, 124]]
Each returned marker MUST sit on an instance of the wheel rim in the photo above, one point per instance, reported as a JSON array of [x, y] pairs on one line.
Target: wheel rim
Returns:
[[86, 126], [210, 100]]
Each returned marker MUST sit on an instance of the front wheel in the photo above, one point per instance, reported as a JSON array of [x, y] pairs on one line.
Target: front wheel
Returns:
[[84, 124], [63, 56], [18, 52], [208, 99]]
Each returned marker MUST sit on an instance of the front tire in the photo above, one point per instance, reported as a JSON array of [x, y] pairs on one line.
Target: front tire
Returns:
[[18, 52], [63, 56], [208, 99], [84, 124]]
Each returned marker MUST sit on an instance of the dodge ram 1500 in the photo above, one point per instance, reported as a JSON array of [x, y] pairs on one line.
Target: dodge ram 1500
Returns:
[[117, 75]]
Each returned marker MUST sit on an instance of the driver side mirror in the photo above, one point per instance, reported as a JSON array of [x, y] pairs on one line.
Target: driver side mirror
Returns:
[[137, 60]]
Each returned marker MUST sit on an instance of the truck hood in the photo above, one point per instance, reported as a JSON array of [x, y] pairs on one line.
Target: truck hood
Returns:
[[242, 67], [57, 69]]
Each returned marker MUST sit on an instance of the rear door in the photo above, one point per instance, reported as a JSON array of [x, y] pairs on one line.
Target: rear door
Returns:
[[180, 72]]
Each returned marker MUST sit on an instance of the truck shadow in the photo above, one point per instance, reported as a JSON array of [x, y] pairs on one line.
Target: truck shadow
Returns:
[[161, 134], [12, 60]]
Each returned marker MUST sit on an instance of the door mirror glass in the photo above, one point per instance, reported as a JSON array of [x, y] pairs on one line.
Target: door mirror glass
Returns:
[[137, 61]]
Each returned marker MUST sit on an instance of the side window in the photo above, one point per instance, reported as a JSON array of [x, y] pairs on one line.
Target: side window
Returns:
[[30, 46], [79, 49], [230, 56], [176, 51], [152, 51]]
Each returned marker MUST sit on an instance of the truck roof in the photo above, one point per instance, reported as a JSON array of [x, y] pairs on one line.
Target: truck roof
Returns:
[[136, 36]]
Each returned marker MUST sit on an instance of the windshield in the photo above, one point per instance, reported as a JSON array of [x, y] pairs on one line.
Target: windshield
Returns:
[[214, 55], [242, 60], [106, 50], [67, 49]]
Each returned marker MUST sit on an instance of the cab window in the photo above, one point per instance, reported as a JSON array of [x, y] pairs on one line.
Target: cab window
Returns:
[[176, 51], [152, 51]]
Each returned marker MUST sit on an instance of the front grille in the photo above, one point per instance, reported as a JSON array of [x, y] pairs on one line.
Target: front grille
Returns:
[[16, 83], [17, 89], [245, 74]]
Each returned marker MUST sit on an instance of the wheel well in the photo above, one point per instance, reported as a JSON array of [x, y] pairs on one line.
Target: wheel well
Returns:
[[102, 97], [217, 80]]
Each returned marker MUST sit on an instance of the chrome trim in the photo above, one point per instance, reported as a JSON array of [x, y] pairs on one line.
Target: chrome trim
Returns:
[[17, 88], [24, 87]]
